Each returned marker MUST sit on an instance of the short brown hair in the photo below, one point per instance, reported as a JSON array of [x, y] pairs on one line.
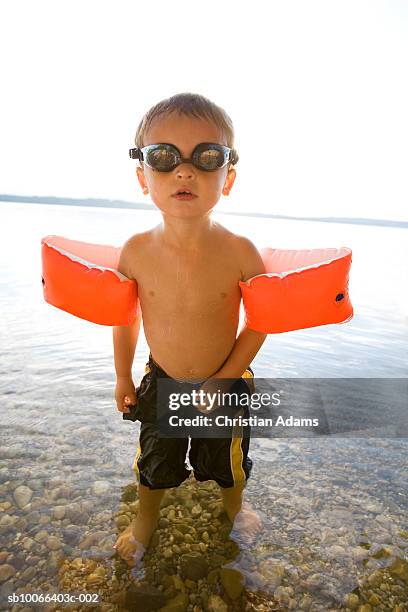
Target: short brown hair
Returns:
[[192, 105]]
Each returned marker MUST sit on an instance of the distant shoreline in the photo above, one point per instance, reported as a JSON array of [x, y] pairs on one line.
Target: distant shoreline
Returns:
[[105, 203]]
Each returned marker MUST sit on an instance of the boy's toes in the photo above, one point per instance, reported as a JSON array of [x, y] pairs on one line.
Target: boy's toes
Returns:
[[125, 551], [128, 548], [247, 525]]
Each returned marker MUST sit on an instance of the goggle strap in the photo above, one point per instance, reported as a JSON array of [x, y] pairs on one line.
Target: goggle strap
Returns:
[[135, 153]]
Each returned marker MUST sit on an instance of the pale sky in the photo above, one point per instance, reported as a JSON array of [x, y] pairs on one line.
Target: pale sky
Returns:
[[317, 90]]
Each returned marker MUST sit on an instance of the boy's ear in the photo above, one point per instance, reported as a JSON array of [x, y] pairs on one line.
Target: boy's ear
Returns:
[[229, 181], [142, 180]]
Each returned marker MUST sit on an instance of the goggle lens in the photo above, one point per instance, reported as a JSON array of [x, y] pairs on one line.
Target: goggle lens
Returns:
[[211, 159], [161, 159]]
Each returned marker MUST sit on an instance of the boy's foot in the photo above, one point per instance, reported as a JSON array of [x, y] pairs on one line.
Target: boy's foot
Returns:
[[247, 524], [128, 547]]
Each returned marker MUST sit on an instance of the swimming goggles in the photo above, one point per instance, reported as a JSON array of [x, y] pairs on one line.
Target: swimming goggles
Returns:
[[165, 157]]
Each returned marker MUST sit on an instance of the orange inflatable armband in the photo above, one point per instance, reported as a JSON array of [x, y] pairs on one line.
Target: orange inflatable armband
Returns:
[[300, 289], [83, 279]]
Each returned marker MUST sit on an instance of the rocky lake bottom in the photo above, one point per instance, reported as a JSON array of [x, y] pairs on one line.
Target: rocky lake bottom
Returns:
[[334, 530]]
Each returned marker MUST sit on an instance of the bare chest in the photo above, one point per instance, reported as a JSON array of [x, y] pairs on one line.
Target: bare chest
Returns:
[[189, 284]]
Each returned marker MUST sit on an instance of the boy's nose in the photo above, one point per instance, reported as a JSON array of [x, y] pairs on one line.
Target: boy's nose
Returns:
[[185, 170]]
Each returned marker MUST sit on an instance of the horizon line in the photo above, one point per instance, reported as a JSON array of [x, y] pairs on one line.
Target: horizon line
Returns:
[[108, 203]]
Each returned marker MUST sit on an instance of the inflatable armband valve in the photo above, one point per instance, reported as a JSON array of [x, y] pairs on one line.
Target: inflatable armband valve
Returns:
[[300, 289], [83, 279]]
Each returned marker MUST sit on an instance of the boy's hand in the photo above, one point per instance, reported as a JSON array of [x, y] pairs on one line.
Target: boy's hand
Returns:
[[212, 386], [125, 393]]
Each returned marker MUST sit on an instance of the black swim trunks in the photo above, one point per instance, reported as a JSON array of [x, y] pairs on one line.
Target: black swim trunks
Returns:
[[160, 463]]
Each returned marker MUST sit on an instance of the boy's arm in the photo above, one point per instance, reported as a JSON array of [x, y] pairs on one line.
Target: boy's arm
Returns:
[[124, 345], [243, 353], [125, 337], [248, 341]]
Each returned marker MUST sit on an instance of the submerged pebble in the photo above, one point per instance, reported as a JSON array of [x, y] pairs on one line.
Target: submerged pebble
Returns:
[[22, 495]]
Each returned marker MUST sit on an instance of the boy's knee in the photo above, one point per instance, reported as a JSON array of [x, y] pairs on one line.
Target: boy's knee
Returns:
[[150, 501], [232, 496], [235, 490], [153, 496]]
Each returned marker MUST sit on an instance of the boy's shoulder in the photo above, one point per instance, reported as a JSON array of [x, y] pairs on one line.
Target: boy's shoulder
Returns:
[[131, 249], [139, 239], [236, 240], [245, 253]]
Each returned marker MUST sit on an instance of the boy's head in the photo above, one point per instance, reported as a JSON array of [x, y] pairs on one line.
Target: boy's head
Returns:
[[185, 121]]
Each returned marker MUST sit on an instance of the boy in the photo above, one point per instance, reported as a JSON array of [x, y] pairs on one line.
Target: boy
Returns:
[[187, 270]]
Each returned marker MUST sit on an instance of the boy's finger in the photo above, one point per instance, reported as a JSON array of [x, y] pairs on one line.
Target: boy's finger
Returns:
[[129, 401], [122, 408]]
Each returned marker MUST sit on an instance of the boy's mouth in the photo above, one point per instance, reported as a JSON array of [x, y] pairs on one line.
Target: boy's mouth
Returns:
[[184, 194]]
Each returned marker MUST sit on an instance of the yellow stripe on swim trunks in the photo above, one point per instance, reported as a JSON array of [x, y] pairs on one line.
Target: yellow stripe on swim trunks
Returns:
[[250, 380], [139, 450], [135, 466], [236, 454]]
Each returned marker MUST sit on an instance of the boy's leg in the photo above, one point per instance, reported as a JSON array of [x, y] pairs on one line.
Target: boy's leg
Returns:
[[134, 540], [159, 463], [232, 500], [246, 521], [227, 462]]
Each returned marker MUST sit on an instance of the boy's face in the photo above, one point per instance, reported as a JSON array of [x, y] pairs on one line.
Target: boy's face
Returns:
[[185, 133]]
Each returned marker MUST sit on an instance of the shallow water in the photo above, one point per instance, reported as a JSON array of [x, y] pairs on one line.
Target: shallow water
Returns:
[[334, 510]]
